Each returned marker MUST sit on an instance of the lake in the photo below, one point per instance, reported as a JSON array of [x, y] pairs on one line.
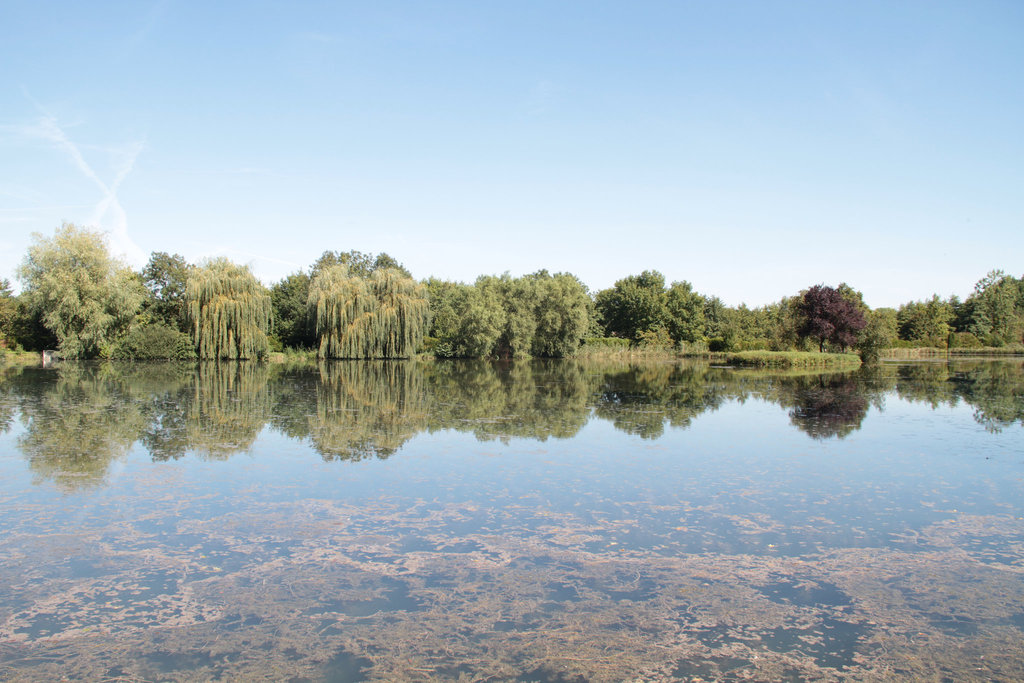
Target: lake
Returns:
[[531, 521]]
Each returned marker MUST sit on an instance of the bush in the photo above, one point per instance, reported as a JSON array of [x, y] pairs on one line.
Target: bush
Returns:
[[656, 339], [718, 345], [154, 342], [610, 343], [964, 340]]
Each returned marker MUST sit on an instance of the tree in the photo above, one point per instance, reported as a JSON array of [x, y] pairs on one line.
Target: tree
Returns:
[[879, 333], [165, 278], [997, 308], [716, 317], [289, 300], [229, 311], [685, 312], [384, 316], [466, 320], [358, 264], [633, 305], [828, 316], [8, 312], [561, 314], [926, 322], [82, 294], [518, 297], [402, 314]]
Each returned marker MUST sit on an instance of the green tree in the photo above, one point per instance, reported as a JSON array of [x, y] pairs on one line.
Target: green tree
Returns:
[[997, 309], [165, 277], [441, 295], [82, 294], [8, 313], [384, 316], [358, 264], [925, 322], [289, 300], [481, 321], [880, 332], [685, 312], [518, 297], [633, 305], [229, 311], [562, 314]]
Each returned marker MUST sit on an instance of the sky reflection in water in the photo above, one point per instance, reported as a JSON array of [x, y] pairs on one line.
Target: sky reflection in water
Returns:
[[529, 521]]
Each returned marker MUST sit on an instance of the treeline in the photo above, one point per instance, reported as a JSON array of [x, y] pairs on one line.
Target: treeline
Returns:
[[79, 299]]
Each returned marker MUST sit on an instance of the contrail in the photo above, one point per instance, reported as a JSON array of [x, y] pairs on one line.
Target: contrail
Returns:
[[109, 206]]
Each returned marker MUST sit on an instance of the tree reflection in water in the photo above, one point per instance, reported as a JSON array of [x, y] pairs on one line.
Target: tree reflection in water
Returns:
[[80, 418], [827, 407]]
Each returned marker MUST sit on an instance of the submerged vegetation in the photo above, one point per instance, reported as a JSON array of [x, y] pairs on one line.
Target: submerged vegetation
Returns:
[[80, 300]]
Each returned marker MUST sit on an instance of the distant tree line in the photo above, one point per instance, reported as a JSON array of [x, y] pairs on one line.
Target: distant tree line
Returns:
[[78, 298]]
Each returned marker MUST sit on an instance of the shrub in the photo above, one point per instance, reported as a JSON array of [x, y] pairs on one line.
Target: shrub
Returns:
[[964, 340], [658, 338], [718, 345], [154, 342]]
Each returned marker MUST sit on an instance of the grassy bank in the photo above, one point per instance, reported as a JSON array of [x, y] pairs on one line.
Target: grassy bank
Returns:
[[934, 352], [8, 357], [789, 359]]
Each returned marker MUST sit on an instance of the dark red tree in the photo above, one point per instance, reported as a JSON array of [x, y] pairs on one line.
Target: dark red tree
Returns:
[[826, 315]]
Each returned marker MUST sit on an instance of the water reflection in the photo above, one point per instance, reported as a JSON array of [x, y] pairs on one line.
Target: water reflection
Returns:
[[718, 551], [825, 407], [75, 428], [80, 418]]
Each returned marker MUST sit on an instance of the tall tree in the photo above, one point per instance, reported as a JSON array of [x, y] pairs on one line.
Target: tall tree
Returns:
[[384, 316], [518, 297], [997, 308], [401, 316], [562, 314], [828, 316], [229, 310], [635, 304], [926, 322], [83, 295], [8, 312], [289, 300], [685, 312], [879, 333], [165, 277]]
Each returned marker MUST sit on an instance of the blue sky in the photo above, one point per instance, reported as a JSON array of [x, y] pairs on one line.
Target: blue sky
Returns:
[[752, 148]]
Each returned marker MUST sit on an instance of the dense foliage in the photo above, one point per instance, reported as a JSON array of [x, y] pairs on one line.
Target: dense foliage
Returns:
[[828, 316], [351, 304], [79, 291], [382, 315], [229, 310], [539, 314]]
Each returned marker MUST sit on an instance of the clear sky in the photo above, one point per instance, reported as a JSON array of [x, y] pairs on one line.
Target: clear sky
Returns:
[[752, 148]]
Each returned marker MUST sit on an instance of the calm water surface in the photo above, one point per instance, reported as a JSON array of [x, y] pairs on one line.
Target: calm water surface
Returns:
[[512, 522]]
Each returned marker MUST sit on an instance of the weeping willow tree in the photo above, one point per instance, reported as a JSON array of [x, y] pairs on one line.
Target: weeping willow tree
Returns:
[[229, 310], [402, 313], [383, 316]]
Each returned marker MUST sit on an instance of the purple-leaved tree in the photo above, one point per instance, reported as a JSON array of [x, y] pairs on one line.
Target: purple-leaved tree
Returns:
[[826, 315]]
